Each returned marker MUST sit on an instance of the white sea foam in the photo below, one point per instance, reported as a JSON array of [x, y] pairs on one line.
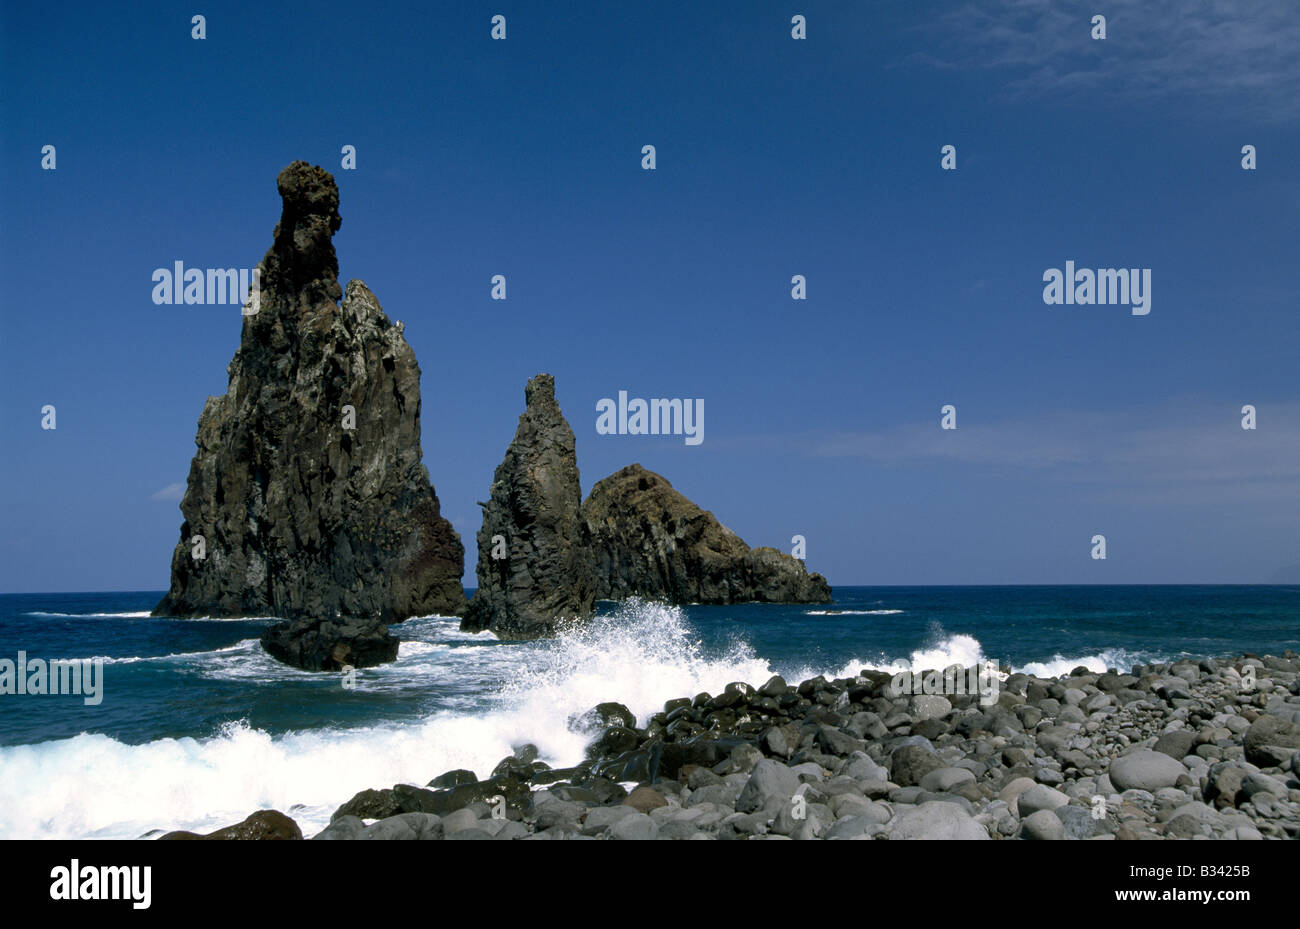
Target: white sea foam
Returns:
[[851, 612], [1109, 658], [136, 615], [145, 614], [186, 657], [96, 786], [965, 650], [644, 653]]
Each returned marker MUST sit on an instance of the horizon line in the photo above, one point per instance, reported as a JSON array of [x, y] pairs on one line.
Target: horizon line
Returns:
[[163, 591]]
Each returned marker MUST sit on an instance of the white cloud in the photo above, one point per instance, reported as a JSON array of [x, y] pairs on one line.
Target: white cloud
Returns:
[[170, 492], [1241, 55], [1170, 454]]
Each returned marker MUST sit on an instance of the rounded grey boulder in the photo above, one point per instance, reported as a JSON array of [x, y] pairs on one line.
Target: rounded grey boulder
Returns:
[[941, 779], [936, 819], [769, 786], [1043, 825], [1040, 799], [1145, 770]]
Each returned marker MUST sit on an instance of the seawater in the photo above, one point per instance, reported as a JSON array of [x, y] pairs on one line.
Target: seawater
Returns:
[[198, 727]]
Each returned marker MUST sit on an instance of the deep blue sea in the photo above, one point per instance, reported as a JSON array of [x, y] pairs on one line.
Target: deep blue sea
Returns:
[[197, 727]]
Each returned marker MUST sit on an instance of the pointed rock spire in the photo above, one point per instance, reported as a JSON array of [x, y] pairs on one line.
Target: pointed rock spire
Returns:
[[307, 487], [534, 568]]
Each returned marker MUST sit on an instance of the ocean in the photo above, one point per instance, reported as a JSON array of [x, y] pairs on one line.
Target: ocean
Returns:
[[197, 727]]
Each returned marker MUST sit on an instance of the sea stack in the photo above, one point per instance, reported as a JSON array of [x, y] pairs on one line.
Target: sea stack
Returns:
[[307, 498], [648, 540], [534, 565]]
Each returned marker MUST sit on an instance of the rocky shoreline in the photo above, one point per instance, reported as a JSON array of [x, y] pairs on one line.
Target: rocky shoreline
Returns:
[[1206, 749]]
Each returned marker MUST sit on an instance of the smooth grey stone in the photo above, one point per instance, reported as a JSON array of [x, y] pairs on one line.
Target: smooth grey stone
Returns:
[[1145, 770], [345, 827], [769, 786], [1040, 798], [1048, 776], [748, 824], [936, 821], [1255, 783], [864, 769], [874, 790], [389, 830], [511, 831], [638, 826], [1079, 823], [942, 779], [677, 830], [469, 835], [1043, 825], [555, 811], [1010, 793], [602, 817], [459, 820], [717, 794], [1175, 744], [851, 827], [846, 805], [929, 706]]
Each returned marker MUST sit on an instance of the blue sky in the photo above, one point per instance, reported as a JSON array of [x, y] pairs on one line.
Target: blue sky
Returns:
[[775, 157]]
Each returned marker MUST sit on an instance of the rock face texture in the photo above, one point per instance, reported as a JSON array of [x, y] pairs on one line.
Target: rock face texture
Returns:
[[307, 487], [331, 644], [261, 826], [648, 540], [542, 574]]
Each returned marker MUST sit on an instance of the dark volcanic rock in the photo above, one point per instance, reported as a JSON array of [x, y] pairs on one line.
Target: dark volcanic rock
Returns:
[[330, 645], [261, 826], [533, 518], [407, 798], [648, 540], [370, 804], [305, 513]]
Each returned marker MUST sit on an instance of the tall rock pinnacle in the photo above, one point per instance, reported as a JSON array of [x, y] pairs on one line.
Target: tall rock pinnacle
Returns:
[[534, 568], [301, 265], [307, 498]]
